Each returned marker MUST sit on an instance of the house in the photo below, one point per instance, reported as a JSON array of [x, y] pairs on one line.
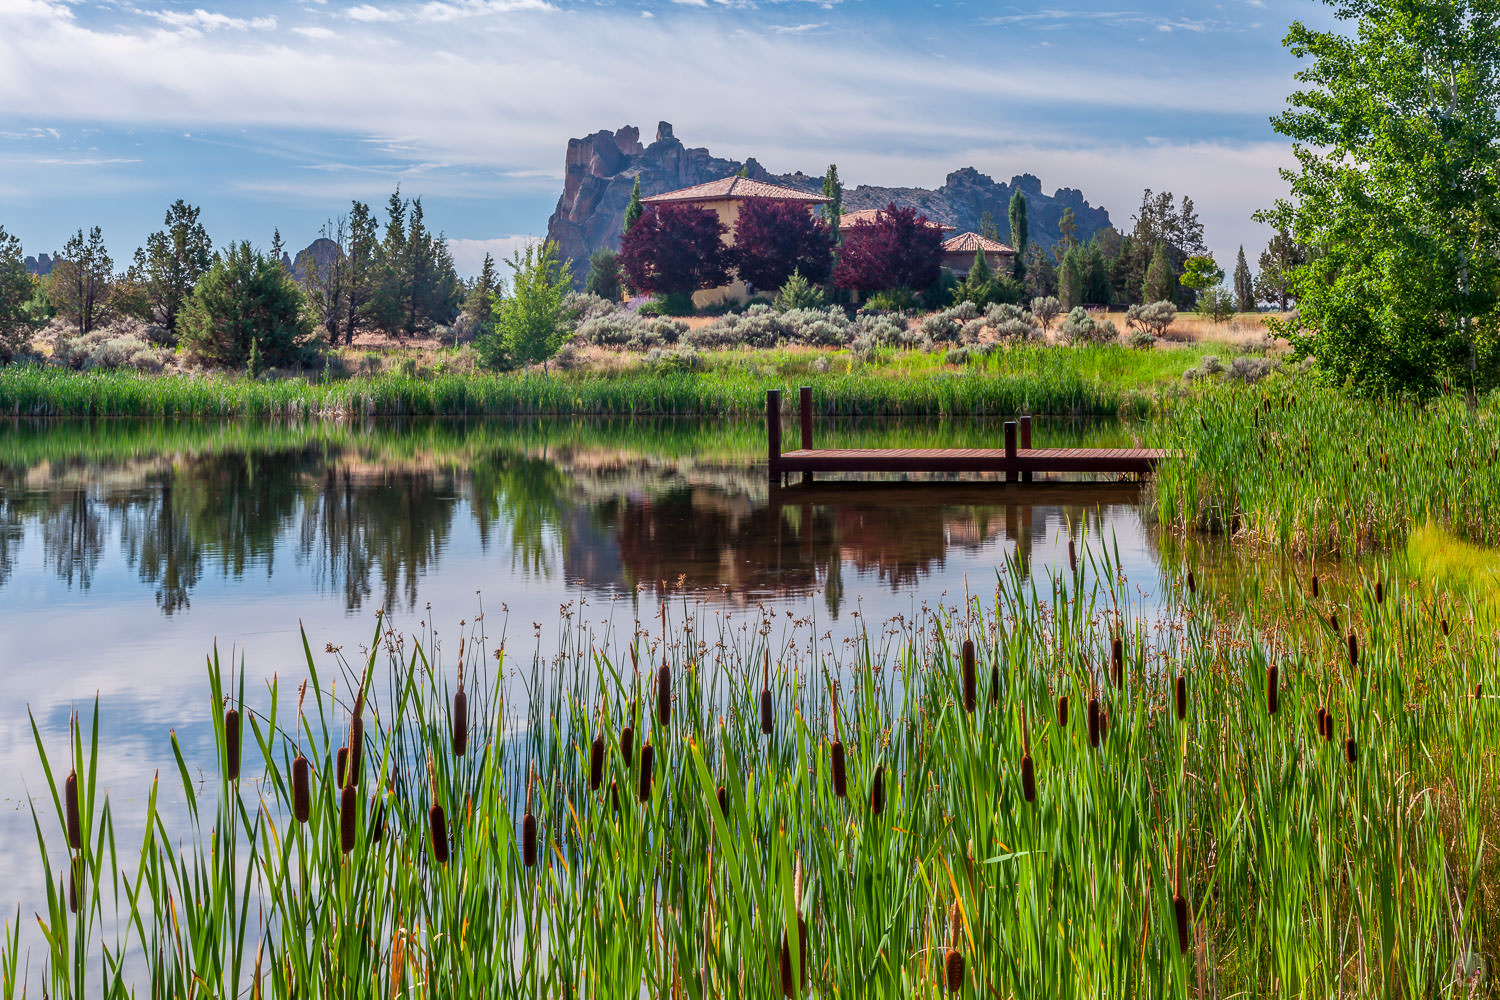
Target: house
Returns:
[[724, 197], [959, 251], [872, 215]]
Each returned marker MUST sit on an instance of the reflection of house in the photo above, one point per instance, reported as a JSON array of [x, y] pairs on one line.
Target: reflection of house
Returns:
[[959, 251], [724, 197]]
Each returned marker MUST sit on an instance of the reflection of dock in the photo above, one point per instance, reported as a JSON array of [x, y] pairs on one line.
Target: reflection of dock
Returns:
[[898, 492], [1017, 460]]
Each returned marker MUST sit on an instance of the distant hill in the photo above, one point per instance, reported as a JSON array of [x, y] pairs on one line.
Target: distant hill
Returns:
[[40, 265], [601, 169]]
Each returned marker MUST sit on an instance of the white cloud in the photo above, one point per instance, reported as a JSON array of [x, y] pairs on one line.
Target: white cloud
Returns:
[[201, 20], [370, 14], [468, 255], [795, 29], [313, 31]]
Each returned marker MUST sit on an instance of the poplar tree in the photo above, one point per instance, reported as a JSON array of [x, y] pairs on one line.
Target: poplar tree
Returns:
[[1018, 234], [634, 210], [1244, 286]]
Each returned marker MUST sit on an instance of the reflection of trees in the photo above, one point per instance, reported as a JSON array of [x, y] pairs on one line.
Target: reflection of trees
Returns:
[[158, 539], [73, 537], [530, 495]]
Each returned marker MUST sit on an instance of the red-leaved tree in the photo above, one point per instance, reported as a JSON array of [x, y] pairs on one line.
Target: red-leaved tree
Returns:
[[774, 238], [675, 249], [901, 249]]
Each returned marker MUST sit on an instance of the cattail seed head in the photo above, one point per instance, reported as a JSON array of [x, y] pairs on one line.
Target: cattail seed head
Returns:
[[301, 789], [1117, 661], [767, 718], [1333, 620], [648, 755], [232, 745], [437, 827], [953, 970], [1379, 591], [1444, 624], [341, 767], [877, 790], [356, 747], [789, 984], [596, 763], [1072, 556], [75, 882], [1315, 585], [460, 723], [72, 817], [1192, 583], [1273, 689], [970, 682], [1323, 721], [723, 797], [1328, 727], [1181, 692], [528, 840], [995, 682], [1353, 649], [1351, 751], [1028, 778], [1478, 692], [627, 743], [348, 806], [1094, 723], [664, 695], [1184, 923], [377, 821], [836, 764], [1062, 711]]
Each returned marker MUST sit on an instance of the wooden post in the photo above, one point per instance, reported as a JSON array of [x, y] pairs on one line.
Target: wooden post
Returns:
[[773, 433], [804, 407], [1010, 449], [1026, 444]]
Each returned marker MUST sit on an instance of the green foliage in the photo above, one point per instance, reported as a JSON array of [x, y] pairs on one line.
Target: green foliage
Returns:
[[893, 300], [1244, 286], [833, 189], [246, 312], [18, 319], [415, 283], [1161, 279], [983, 287], [1045, 309], [78, 286], [172, 261], [1278, 260], [1216, 303], [1201, 272], [798, 293], [530, 323], [1019, 236], [363, 269], [634, 209], [1396, 195], [1153, 319], [1070, 278], [480, 300], [604, 275]]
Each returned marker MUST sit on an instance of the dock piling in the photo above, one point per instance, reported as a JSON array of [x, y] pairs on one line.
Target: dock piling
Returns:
[[773, 433], [1010, 450], [1026, 444]]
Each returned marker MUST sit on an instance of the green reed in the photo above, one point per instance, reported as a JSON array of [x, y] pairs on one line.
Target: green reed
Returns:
[[1305, 866], [1310, 471]]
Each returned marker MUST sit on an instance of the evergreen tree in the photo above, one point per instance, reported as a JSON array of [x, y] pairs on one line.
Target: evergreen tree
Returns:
[[481, 298], [604, 275], [17, 319], [79, 283], [1070, 279], [987, 227], [1067, 228], [1281, 257], [326, 284], [172, 261], [1161, 280], [1037, 272], [634, 210], [246, 312], [278, 248], [1244, 287], [363, 275], [833, 189], [1018, 234]]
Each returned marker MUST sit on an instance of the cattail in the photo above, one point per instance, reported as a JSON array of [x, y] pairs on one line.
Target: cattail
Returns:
[[1103, 724], [341, 767], [627, 742], [1062, 711], [1181, 691], [72, 817], [377, 821], [528, 827], [460, 723], [1094, 722], [877, 790], [1322, 722], [1180, 907], [348, 804], [1117, 661], [301, 790], [664, 695], [1333, 620], [596, 763], [1028, 767], [1379, 591], [1351, 751], [437, 822], [1192, 583], [614, 795], [75, 882], [971, 696], [1315, 585], [836, 753], [790, 984], [1353, 649], [1072, 557], [766, 719], [1272, 689], [648, 755], [1478, 692], [1328, 727], [995, 682], [953, 961], [1444, 624], [232, 745], [723, 797]]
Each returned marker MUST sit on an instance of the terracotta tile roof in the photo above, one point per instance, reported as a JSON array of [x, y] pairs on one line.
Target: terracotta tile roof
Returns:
[[735, 187], [971, 242], [852, 219]]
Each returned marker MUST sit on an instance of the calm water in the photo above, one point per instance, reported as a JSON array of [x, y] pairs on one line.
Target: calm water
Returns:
[[128, 548]]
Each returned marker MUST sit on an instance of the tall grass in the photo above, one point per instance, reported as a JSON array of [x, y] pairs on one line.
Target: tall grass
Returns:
[[1233, 852], [1314, 472]]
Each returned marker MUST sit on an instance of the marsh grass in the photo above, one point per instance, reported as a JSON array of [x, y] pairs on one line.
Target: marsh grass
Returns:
[[1233, 852]]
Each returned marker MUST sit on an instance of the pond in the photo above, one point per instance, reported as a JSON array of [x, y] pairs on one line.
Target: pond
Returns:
[[128, 549]]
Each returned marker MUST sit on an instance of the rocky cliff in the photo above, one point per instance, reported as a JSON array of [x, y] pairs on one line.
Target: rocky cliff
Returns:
[[601, 169]]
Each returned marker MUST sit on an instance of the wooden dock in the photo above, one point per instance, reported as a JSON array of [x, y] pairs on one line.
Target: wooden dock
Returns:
[[1017, 460]]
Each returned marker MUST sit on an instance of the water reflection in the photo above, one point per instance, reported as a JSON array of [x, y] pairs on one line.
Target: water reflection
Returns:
[[351, 517]]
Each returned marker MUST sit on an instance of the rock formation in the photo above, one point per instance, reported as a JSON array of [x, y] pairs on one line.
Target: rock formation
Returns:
[[601, 169]]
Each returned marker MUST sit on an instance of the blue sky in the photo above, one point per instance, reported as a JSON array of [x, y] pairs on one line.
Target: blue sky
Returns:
[[278, 112]]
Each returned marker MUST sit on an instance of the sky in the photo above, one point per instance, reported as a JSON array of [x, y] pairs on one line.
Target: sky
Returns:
[[276, 113]]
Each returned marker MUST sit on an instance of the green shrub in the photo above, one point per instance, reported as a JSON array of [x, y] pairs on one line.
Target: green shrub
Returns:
[[799, 293], [246, 312], [893, 300]]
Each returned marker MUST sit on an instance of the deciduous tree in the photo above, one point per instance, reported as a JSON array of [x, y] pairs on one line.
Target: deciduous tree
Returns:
[[773, 239], [530, 323], [675, 249], [900, 249]]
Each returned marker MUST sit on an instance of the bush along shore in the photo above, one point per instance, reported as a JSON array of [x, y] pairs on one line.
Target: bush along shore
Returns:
[[1054, 792]]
